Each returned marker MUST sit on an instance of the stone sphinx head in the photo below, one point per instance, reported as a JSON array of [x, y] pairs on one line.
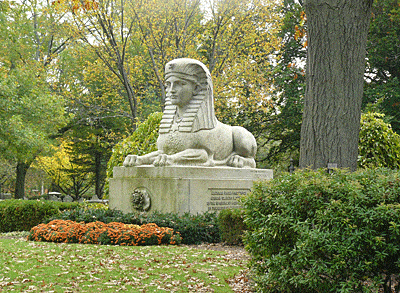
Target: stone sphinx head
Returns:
[[189, 85]]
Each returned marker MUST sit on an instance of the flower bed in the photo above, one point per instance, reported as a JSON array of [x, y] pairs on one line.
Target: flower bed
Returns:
[[100, 233]]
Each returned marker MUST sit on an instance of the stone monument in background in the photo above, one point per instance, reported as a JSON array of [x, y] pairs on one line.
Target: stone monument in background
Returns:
[[201, 164]]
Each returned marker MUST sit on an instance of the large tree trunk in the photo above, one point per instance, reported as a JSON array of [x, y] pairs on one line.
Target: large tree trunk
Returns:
[[22, 168], [337, 35]]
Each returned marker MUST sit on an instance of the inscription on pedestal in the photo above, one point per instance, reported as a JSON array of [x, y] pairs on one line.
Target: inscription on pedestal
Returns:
[[225, 198]]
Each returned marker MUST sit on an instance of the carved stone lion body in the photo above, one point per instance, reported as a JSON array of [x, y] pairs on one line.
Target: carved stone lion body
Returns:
[[189, 132]]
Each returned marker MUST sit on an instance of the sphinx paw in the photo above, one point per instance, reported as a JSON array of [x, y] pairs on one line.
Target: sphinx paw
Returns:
[[161, 160], [236, 161], [132, 160]]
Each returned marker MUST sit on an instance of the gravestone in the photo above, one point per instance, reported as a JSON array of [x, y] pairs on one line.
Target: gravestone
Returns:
[[54, 197], [201, 164], [96, 199], [5, 195], [68, 198]]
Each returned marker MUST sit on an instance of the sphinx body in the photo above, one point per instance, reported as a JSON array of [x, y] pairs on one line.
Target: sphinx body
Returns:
[[190, 134], [223, 145]]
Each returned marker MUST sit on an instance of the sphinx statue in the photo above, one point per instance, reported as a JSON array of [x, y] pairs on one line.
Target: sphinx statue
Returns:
[[190, 134]]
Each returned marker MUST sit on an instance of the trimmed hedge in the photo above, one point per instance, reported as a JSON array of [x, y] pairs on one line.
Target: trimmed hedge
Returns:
[[88, 215], [194, 229], [22, 215], [315, 232], [232, 226]]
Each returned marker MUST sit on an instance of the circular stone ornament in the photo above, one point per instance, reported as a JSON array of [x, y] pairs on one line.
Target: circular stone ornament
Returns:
[[140, 199]]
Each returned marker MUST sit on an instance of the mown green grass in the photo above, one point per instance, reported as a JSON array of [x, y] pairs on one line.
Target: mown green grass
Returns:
[[27, 266]]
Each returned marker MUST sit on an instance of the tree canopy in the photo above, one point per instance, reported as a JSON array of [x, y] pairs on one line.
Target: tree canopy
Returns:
[[383, 62], [67, 177], [29, 111], [237, 40], [101, 63]]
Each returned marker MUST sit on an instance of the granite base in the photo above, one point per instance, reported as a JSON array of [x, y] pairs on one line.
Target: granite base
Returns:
[[181, 189]]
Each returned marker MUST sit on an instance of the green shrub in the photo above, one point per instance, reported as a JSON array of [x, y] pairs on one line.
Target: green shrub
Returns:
[[95, 205], [193, 229], [231, 225], [379, 145], [141, 142], [315, 232], [89, 215], [22, 215]]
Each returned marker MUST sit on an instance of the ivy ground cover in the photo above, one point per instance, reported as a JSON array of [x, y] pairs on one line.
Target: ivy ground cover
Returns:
[[27, 266]]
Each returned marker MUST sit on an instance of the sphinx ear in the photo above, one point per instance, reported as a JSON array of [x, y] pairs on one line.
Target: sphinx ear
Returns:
[[196, 89]]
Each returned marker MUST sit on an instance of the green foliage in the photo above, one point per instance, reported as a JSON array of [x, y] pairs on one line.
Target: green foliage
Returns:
[[193, 229], [89, 215], [30, 111], [289, 82], [25, 104], [94, 205], [141, 142], [383, 41], [7, 175], [67, 177], [383, 47], [385, 98], [22, 215], [97, 108], [231, 225], [379, 145], [319, 232], [26, 100]]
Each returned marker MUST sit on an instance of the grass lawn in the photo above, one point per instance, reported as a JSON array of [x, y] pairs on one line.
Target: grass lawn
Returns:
[[27, 266]]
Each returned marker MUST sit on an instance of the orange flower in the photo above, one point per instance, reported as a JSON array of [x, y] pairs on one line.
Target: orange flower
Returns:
[[100, 233]]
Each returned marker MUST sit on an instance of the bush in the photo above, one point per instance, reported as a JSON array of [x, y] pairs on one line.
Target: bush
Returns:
[[193, 229], [101, 233], [141, 142], [379, 145], [314, 232], [232, 226], [88, 215], [22, 215]]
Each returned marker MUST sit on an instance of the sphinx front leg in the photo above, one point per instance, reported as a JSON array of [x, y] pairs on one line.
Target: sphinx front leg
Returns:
[[189, 157], [135, 160]]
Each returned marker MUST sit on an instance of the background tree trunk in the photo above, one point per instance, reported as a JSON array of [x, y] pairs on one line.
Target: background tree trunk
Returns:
[[337, 35], [98, 176], [22, 168]]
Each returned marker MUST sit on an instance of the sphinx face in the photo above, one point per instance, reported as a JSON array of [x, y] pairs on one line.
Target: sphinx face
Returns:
[[179, 91]]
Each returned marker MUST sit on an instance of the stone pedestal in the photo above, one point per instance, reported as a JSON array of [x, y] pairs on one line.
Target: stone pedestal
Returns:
[[181, 189]]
